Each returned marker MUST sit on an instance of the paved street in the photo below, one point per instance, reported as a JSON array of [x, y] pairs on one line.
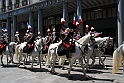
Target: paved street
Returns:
[[98, 74]]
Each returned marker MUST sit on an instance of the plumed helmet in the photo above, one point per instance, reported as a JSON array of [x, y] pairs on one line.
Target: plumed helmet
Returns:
[[62, 20], [77, 24], [54, 30], [48, 30], [38, 32], [87, 26], [17, 33], [67, 30], [92, 28]]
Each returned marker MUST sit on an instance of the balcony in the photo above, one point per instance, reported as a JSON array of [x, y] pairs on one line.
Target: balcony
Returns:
[[17, 5], [10, 7], [3, 9], [24, 2]]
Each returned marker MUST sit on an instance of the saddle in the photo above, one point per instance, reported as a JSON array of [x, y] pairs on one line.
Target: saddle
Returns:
[[28, 48], [71, 47]]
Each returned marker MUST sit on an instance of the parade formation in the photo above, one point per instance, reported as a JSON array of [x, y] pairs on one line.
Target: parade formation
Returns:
[[70, 45]]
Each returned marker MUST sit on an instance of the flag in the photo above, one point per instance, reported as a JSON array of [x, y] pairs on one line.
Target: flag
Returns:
[[74, 19], [80, 20], [28, 25]]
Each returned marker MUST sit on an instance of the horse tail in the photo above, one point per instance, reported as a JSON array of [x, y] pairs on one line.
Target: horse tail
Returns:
[[17, 51], [117, 61], [48, 58]]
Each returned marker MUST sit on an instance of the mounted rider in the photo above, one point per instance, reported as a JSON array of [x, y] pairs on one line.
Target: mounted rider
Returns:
[[54, 37], [38, 35], [30, 40], [4, 40], [67, 41], [48, 38], [16, 37]]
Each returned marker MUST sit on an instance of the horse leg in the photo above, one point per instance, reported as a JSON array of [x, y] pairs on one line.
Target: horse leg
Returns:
[[32, 62], [40, 61], [53, 64], [82, 66], [93, 61], [101, 59], [2, 60], [70, 67], [24, 62], [7, 59], [87, 63]]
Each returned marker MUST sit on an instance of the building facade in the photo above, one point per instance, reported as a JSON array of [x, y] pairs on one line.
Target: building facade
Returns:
[[104, 15]]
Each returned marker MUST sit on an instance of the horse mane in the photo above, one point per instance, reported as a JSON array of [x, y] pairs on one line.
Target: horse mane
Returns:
[[83, 39]]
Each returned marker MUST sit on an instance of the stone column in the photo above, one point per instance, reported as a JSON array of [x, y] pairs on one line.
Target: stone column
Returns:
[[13, 4], [40, 21], [1, 5], [120, 21], [9, 28], [65, 13], [79, 12], [14, 26], [31, 18], [7, 4]]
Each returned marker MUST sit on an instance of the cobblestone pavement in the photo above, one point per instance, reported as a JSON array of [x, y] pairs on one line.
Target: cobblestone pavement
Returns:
[[98, 74]]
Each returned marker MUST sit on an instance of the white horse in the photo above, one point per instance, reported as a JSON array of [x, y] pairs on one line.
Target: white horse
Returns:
[[9, 52], [118, 59], [79, 48], [105, 42], [35, 53]]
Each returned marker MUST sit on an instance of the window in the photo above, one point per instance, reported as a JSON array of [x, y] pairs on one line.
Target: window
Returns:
[[104, 13], [113, 12], [109, 13], [92, 15], [70, 18], [88, 15], [84, 16]]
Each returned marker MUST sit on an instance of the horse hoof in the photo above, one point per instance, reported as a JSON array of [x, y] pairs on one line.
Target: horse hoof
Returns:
[[70, 76], [25, 67], [18, 65], [56, 73], [50, 71], [2, 65]]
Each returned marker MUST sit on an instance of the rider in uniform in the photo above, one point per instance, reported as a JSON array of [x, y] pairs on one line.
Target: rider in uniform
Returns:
[[4, 39], [54, 37], [30, 40], [38, 35], [48, 38], [16, 37]]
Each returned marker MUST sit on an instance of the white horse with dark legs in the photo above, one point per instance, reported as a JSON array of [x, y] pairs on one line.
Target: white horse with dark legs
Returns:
[[103, 43], [79, 48], [37, 50]]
